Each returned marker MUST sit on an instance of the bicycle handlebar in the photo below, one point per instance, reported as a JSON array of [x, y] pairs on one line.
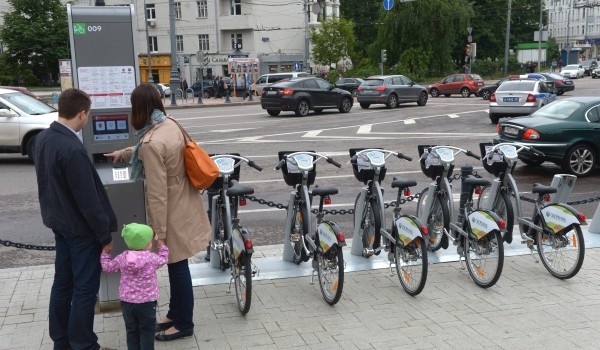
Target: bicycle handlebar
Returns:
[[402, 156], [240, 158], [459, 150], [471, 154], [397, 154], [314, 154], [521, 145], [254, 165], [332, 161]]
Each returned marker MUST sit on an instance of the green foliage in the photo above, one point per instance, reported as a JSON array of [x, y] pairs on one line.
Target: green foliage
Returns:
[[365, 15], [36, 35], [333, 42], [552, 51]]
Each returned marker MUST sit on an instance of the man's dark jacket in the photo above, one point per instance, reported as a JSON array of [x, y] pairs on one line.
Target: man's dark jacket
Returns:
[[72, 196]]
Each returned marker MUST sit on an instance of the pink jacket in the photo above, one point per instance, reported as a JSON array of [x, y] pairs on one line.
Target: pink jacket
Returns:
[[138, 273]]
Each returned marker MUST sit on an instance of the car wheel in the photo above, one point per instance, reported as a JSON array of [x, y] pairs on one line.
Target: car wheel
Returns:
[[580, 160], [494, 118], [392, 101], [435, 92], [364, 105], [465, 92], [29, 147], [206, 94], [346, 105], [302, 108], [273, 112], [422, 101], [486, 94], [530, 162]]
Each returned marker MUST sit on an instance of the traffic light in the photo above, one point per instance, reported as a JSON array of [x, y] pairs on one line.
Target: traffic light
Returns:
[[383, 56]]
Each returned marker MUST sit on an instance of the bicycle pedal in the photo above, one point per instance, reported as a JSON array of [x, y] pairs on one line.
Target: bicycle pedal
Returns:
[[367, 252], [295, 237]]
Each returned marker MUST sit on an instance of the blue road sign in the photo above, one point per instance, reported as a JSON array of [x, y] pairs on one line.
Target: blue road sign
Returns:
[[297, 66], [388, 4]]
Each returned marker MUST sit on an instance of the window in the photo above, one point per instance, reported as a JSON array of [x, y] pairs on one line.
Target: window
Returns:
[[153, 44], [236, 7], [323, 84], [202, 8], [203, 43], [179, 43], [593, 115], [177, 10], [236, 39], [150, 12]]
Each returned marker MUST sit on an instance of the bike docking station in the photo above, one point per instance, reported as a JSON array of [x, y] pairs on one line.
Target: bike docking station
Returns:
[[105, 66]]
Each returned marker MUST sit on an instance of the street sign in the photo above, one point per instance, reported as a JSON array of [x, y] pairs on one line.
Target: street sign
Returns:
[[388, 4], [297, 66]]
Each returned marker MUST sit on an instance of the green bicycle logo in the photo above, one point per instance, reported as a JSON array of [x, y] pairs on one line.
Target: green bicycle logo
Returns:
[[79, 28]]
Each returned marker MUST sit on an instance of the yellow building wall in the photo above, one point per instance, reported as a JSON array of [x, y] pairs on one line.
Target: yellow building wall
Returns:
[[161, 68]]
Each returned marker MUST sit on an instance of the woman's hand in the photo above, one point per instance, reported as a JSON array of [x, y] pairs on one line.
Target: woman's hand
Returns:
[[117, 156]]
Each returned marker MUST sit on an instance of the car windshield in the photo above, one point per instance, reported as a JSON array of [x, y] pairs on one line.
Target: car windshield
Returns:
[[552, 76], [373, 82], [561, 109], [571, 67], [475, 77], [27, 103], [517, 86]]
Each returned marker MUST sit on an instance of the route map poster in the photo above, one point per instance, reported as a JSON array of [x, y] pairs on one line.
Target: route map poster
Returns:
[[108, 87]]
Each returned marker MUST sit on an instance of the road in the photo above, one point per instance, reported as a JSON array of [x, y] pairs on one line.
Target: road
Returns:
[[248, 130]]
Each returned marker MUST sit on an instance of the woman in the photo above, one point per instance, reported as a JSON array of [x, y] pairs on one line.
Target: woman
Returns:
[[174, 208]]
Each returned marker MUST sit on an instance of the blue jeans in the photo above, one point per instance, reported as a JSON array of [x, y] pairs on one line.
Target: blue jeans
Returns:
[[73, 294], [139, 323], [181, 303]]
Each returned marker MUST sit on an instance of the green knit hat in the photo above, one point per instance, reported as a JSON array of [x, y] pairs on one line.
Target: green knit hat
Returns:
[[137, 236]]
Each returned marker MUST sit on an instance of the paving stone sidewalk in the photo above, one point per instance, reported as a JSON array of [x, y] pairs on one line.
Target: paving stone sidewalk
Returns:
[[526, 309]]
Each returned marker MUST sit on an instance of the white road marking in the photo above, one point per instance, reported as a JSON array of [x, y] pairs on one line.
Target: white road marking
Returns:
[[454, 115], [410, 121], [364, 129], [312, 133]]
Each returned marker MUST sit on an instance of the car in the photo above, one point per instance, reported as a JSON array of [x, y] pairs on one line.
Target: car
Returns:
[[566, 131], [595, 72], [572, 71], [304, 94], [588, 66], [519, 97], [22, 117], [390, 90], [349, 84], [207, 86], [463, 84], [487, 90], [272, 78], [561, 84], [22, 89], [165, 90]]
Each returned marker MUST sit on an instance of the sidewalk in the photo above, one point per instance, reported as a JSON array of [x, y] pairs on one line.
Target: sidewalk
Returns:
[[526, 309]]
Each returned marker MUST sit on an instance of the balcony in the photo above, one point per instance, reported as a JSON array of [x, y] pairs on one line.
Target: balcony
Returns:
[[241, 22]]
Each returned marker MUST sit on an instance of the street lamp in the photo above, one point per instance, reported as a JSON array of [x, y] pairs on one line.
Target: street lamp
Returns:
[[150, 77], [175, 82], [507, 38]]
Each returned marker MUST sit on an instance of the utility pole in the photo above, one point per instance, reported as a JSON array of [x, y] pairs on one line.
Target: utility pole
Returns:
[[540, 42], [175, 82], [306, 38], [150, 77], [507, 38], [569, 32]]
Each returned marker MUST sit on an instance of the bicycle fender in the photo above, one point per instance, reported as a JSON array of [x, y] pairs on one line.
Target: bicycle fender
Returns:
[[327, 232], [239, 235], [558, 216], [408, 228], [483, 222]]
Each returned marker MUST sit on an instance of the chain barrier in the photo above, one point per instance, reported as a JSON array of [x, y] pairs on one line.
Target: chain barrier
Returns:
[[27, 246]]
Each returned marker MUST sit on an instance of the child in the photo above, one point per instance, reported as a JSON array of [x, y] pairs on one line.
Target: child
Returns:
[[138, 289]]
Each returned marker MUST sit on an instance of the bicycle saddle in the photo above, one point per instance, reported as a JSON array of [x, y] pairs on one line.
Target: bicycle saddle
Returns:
[[543, 189], [323, 191], [239, 190], [402, 183], [475, 181]]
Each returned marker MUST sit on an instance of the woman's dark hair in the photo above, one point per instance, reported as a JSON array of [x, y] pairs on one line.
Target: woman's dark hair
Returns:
[[144, 100]]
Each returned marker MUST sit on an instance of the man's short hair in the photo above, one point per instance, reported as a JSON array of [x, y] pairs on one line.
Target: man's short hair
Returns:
[[71, 102]]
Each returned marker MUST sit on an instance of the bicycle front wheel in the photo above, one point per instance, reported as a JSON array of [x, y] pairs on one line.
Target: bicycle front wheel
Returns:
[[485, 258], [243, 282], [562, 254], [438, 219], [330, 267], [411, 266], [503, 208], [300, 225]]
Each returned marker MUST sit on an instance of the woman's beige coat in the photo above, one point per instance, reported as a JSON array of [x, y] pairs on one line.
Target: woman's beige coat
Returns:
[[174, 208]]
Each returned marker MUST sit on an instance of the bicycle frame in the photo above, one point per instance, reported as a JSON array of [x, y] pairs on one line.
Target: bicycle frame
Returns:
[[440, 186]]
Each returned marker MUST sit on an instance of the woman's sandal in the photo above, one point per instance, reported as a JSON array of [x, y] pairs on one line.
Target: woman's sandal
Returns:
[[168, 337]]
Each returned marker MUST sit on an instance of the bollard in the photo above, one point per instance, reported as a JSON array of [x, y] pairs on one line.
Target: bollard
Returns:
[[465, 171], [564, 184], [288, 250], [227, 100], [595, 225], [215, 259], [357, 245], [250, 99]]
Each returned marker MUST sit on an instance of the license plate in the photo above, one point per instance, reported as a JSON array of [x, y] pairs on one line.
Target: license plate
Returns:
[[510, 99], [511, 131], [272, 92]]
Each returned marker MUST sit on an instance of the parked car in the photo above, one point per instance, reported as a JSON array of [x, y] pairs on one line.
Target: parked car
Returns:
[[463, 84], [566, 131], [561, 84], [304, 94], [22, 117], [349, 84], [519, 97], [572, 71], [22, 89], [487, 90], [390, 90], [588, 66], [595, 72], [164, 90], [207, 85], [272, 78]]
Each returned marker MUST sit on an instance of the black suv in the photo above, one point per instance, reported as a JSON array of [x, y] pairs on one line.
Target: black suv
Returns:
[[588, 67]]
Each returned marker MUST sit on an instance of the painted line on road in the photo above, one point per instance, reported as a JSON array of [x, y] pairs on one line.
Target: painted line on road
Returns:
[[453, 115], [364, 129], [410, 121], [312, 133]]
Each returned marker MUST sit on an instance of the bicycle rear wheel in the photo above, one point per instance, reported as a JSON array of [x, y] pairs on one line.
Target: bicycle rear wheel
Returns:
[[330, 267], [243, 282], [411, 266], [438, 219], [370, 225], [298, 223], [485, 258], [503, 208], [562, 254]]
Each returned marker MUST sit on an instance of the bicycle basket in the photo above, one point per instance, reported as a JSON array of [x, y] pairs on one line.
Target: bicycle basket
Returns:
[[218, 184], [495, 164], [291, 178], [364, 174], [430, 164]]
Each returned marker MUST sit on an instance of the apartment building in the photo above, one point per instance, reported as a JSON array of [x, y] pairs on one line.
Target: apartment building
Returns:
[[576, 25]]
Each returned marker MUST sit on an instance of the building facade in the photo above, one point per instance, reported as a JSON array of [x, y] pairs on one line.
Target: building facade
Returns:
[[576, 26]]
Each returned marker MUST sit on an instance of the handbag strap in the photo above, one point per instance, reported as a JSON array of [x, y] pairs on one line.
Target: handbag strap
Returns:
[[186, 136]]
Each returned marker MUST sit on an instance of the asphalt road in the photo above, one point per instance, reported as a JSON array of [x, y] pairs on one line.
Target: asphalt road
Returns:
[[249, 130]]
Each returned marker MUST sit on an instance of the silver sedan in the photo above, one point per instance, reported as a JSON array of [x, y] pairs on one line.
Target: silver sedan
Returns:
[[519, 97]]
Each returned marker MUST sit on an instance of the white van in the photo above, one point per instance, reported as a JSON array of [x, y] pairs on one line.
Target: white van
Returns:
[[268, 79]]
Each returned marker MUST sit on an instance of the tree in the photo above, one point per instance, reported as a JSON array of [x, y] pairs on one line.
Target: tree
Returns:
[[333, 42], [36, 35], [365, 15]]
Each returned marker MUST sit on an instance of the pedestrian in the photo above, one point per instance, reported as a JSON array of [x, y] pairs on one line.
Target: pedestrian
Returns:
[[560, 64], [221, 85], [554, 65], [216, 86], [138, 289], [74, 204], [174, 207], [185, 86]]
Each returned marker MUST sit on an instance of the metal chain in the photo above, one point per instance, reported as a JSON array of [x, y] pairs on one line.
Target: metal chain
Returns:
[[27, 246]]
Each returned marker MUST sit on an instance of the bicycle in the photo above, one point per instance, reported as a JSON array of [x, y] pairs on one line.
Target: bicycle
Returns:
[[324, 244], [554, 227], [231, 244], [405, 241], [477, 232]]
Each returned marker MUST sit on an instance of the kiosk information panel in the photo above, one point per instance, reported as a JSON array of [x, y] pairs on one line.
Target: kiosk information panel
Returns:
[[105, 66]]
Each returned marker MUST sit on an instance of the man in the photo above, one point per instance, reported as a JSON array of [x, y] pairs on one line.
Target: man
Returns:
[[75, 206]]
